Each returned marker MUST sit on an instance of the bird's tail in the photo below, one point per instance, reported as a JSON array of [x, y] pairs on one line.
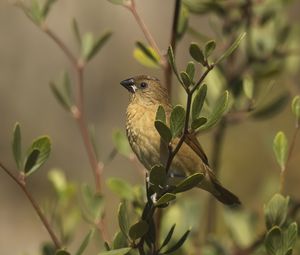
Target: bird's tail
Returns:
[[222, 194]]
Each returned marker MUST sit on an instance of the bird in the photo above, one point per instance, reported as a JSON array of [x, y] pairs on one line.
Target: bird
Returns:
[[146, 95]]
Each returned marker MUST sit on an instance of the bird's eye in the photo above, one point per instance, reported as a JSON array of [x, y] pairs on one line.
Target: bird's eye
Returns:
[[144, 85]]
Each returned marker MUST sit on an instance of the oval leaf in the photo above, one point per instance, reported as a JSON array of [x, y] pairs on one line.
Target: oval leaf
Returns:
[[189, 183], [166, 198], [158, 175], [209, 48], [120, 142], [280, 147], [185, 79], [161, 114], [276, 211], [146, 56], [177, 120], [217, 112], [163, 131], [121, 188], [37, 154], [273, 241], [16, 145], [296, 106], [198, 101], [123, 219], [190, 70], [138, 230], [197, 54], [196, 123]]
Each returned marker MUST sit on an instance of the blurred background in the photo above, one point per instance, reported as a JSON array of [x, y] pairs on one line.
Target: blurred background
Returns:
[[29, 60]]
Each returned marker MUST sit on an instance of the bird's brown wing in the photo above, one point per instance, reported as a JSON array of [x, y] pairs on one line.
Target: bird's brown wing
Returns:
[[192, 142]]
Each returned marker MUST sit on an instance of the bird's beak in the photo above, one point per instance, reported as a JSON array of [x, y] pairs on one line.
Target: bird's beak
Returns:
[[129, 84]]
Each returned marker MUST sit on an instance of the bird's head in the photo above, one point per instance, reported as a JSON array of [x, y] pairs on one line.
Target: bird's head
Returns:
[[145, 90]]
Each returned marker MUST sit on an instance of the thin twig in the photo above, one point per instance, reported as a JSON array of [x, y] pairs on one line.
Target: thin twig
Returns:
[[79, 115], [132, 7], [168, 69], [21, 183]]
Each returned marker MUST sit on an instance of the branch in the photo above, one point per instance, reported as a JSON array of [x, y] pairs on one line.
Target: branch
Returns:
[[21, 183], [78, 114], [168, 69], [132, 7], [190, 93]]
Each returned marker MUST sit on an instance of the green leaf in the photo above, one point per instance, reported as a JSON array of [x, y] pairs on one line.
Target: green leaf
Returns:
[[93, 202], [272, 108], [185, 79], [163, 131], [198, 101], [158, 175], [118, 2], [138, 230], [290, 236], [48, 249], [189, 183], [248, 86], [87, 45], [197, 123], [197, 54], [218, 111], [161, 114], [47, 7], [120, 142], [121, 251], [276, 211], [209, 48], [62, 252], [280, 148], [63, 94], [177, 120], [96, 46], [123, 219], [147, 56], [76, 31], [273, 241], [16, 145], [179, 243], [120, 241], [31, 160], [121, 188], [37, 154], [171, 59], [183, 21], [296, 106], [36, 12], [190, 70], [58, 180], [168, 237], [232, 48], [85, 242], [166, 198]]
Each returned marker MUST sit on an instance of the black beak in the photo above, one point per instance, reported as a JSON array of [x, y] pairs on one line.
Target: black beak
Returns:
[[129, 84]]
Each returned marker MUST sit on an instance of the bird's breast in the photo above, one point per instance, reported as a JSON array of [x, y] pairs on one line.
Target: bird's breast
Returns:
[[142, 135]]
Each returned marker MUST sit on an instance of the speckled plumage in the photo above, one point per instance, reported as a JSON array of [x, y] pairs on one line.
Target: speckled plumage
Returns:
[[146, 142]]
